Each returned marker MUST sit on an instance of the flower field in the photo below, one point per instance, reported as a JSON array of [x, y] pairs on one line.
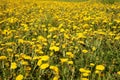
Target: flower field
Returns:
[[56, 40]]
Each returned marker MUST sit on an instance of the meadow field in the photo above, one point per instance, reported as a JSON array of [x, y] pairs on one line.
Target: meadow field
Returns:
[[59, 40]]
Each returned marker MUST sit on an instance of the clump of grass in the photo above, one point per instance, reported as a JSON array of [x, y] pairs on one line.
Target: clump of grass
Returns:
[[109, 1]]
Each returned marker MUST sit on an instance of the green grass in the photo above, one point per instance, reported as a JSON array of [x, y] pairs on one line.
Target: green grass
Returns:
[[103, 1], [72, 0]]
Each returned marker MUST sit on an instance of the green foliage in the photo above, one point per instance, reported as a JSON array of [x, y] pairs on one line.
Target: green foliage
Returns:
[[108, 1], [71, 0]]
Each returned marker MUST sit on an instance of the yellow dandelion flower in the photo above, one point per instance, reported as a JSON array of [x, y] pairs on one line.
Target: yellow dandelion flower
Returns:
[[81, 42], [45, 58], [41, 38], [19, 77], [82, 70], [9, 50], [117, 38], [24, 62], [34, 39], [28, 68], [13, 65], [97, 71], [66, 36], [55, 48], [39, 62], [85, 74], [80, 35], [70, 62], [44, 66], [51, 53], [92, 64], [84, 79], [62, 30], [63, 45], [93, 48], [36, 57], [27, 57], [3, 57], [49, 36], [74, 27], [55, 68], [118, 72], [84, 51], [56, 77], [100, 67], [87, 71], [1, 49], [63, 60], [20, 41], [70, 54], [57, 44]]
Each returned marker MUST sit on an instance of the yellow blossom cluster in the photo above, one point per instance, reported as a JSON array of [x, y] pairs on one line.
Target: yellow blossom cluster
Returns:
[[57, 40]]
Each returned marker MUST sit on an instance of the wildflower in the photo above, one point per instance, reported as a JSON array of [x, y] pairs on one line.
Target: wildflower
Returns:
[[60, 25], [85, 25], [41, 38], [118, 72], [117, 38], [13, 65], [80, 35], [51, 53], [97, 72], [20, 41], [44, 58], [24, 62], [43, 26], [28, 68], [85, 74], [63, 45], [49, 36], [56, 77], [55, 68], [39, 62], [93, 48], [9, 50], [44, 66], [27, 57], [19, 77], [36, 57], [55, 48], [84, 51], [57, 44], [100, 32], [3, 57], [74, 27], [100, 67], [62, 30], [66, 36], [70, 54], [87, 71], [16, 55], [84, 79], [63, 60], [33, 39], [1, 49], [70, 62], [81, 42], [91, 64], [82, 70], [39, 51]]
